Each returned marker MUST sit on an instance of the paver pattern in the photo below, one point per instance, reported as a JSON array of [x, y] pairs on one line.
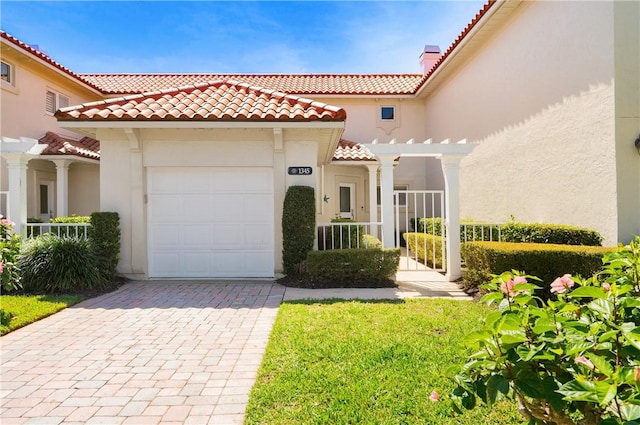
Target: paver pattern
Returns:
[[148, 353]]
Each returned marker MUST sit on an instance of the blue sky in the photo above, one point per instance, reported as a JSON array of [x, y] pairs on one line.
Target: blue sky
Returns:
[[232, 36]]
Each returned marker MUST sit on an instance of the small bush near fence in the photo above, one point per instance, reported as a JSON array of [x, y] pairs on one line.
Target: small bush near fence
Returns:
[[514, 232], [427, 247], [550, 233], [69, 231], [298, 227], [341, 237], [105, 236], [353, 267], [547, 261], [54, 264]]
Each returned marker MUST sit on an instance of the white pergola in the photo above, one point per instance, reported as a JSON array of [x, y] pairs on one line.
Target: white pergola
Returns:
[[450, 155], [17, 153]]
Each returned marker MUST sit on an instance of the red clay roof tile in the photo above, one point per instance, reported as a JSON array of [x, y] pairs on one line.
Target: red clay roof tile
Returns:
[[217, 101], [352, 151], [371, 84], [59, 145]]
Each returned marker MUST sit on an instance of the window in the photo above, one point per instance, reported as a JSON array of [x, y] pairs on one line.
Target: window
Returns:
[[388, 113], [55, 101], [7, 73], [402, 197]]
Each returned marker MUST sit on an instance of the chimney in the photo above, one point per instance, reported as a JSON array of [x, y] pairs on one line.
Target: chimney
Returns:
[[429, 57]]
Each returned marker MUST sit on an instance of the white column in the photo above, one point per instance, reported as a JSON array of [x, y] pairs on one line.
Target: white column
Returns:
[[373, 195], [62, 186], [17, 170], [451, 170], [386, 199]]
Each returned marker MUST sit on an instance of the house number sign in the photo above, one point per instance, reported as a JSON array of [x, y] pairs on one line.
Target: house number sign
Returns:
[[302, 171]]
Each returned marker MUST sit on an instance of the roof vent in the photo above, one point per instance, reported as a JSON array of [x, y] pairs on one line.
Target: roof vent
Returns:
[[429, 57]]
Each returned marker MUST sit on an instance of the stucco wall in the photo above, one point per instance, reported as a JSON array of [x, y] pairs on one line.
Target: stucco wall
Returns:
[[538, 96], [84, 188]]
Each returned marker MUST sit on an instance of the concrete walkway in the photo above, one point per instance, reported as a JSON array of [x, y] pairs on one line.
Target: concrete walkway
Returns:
[[154, 352]]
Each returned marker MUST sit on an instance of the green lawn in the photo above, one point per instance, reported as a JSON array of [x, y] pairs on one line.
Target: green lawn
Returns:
[[30, 308], [348, 362]]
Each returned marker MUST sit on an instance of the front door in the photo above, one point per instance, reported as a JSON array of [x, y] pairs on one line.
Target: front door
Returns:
[[46, 200], [347, 200]]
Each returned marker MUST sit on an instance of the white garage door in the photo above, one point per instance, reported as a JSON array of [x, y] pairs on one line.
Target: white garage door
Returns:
[[210, 222]]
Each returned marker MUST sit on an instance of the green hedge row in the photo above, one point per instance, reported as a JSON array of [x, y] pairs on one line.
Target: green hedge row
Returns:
[[105, 235], [352, 265], [550, 233], [514, 232], [426, 246], [298, 227], [546, 261]]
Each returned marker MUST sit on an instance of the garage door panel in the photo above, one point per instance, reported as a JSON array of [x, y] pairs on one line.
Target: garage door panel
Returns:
[[196, 208], [166, 208], [210, 222], [196, 263]]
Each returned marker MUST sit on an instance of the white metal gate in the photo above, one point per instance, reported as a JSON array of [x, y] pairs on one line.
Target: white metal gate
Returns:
[[420, 229]]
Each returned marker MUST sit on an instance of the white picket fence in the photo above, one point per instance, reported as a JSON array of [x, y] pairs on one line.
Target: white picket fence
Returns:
[[79, 230]]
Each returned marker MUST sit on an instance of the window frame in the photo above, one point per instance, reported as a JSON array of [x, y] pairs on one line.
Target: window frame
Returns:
[[387, 108], [11, 74], [57, 96]]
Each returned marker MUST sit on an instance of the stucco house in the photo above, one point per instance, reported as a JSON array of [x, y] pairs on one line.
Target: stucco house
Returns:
[[197, 165]]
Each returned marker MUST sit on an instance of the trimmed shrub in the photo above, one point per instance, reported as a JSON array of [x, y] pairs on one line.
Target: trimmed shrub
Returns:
[[105, 236], [427, 247], [69, 231], [353, 265], [341, 237], [547, 261], [370, 241], [54, 264], [550, 233], [298, 227]]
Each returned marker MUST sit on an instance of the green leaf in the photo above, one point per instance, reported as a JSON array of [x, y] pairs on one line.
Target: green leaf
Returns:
[[474, 337], [497, 388], [529, 384], [630, 412], [588, 292], [543, 325], [577, 347], [504, 305], [601, 364], [583, 390], [513, 337], [491, 297], [601, 306], [554, 398]]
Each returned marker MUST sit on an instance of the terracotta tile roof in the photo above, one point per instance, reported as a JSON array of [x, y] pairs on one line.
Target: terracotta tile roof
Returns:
[[25, 47], [212, 101], [352, 151], [372, 84], [58, 145]]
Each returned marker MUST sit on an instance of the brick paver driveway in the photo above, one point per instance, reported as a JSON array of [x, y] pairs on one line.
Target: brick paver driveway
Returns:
[[151, 352]]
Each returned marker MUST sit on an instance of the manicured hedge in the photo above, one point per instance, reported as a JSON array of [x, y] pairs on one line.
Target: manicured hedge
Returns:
[[546, 261], [105, 235], [72, 219], [298, 227], [550, 233], [514, 232], [427, 247], [352, 266]]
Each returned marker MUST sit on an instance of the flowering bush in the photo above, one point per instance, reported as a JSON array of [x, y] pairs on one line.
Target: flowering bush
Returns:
[[9, 250], [568, 361]]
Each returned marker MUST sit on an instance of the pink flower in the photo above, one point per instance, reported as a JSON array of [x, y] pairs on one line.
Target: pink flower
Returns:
[[434, 396], [585, 361], [507, 287], [561, 284], [606, 287], [1, 266]]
